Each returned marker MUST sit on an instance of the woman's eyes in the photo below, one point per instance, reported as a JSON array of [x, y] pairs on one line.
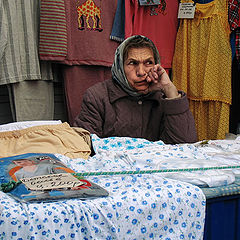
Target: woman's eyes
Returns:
[[133, 63], [149, 62], [136, 63]]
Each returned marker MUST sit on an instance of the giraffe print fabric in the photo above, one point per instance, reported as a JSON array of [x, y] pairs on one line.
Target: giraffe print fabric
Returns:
[[89, 10]]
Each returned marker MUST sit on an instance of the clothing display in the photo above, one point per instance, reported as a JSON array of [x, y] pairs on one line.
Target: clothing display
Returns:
[[84, 28], [119, 119], [81, 38], [128, 116], [28, 80], [88, 28], [158, 22], [202, 67], [19, 42]]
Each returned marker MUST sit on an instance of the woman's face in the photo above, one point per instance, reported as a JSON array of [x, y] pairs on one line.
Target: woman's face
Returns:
[[138, 63]]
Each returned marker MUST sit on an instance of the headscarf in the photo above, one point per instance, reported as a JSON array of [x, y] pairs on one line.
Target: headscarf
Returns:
[[118, 73]]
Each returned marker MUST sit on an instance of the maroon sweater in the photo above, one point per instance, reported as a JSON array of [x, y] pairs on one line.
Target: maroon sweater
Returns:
[[109, 111]]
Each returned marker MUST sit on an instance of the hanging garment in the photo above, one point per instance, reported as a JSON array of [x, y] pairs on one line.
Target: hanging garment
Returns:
[[88, 27], [232, 42], [202, 67], [157, 22], [32, 100], [77, 79], [19, 42], [118, 29], [20, 68], [3, 30], [53, 30], [234, 21]]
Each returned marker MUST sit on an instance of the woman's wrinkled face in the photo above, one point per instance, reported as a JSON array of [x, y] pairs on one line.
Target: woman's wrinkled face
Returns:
[[136, 67]]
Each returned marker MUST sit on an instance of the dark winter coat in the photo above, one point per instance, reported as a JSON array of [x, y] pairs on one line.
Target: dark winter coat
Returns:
[[108, 111]]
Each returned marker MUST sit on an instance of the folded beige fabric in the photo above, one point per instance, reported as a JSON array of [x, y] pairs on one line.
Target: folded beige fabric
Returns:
[[57, 138]]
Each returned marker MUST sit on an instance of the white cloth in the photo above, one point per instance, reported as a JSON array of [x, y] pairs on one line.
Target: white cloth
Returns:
[[140, 154], [25, 124]]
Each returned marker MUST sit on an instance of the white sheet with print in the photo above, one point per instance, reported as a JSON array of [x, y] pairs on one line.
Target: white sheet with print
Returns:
[[146, 206]]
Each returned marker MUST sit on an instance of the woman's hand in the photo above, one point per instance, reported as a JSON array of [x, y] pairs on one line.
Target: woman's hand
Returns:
[[159, 80]]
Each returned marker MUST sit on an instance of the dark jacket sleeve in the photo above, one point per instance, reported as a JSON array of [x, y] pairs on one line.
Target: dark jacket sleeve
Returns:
[[90, 117], [179, 124]]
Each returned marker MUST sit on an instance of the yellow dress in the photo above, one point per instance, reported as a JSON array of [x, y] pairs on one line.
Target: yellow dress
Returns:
[[202, 67]]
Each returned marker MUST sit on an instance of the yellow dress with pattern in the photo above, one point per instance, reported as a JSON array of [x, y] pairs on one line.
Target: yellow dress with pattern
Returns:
[[202, 67]]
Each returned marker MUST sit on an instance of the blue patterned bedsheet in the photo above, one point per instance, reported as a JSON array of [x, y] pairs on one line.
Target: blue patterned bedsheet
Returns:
[[139, 207], [147, 206]]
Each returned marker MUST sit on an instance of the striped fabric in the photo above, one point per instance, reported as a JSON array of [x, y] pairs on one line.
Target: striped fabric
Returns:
[[53, 30], [19, 28], [3, 30]]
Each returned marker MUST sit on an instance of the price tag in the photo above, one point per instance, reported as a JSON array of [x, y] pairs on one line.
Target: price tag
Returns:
[[51, 181], [186, 10]]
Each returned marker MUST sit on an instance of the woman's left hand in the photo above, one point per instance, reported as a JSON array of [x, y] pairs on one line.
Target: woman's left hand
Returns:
[[159, 80]]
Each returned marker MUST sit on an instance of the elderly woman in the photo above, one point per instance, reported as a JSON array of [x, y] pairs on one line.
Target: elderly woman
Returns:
[[139, 101]]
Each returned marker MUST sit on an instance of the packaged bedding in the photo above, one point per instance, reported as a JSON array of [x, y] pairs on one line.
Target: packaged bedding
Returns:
[[43, 177]]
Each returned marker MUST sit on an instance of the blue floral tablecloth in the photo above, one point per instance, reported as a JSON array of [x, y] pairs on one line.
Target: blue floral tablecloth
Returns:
[[139, 206]]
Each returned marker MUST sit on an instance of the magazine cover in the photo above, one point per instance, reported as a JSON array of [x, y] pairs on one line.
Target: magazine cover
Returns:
[[43, 177]]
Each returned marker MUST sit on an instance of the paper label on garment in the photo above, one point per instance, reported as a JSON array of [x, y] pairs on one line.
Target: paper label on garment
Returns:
[[51, 182], [186, 10]]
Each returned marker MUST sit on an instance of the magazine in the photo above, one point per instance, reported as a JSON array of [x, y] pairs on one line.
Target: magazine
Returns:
[[43, 177]]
